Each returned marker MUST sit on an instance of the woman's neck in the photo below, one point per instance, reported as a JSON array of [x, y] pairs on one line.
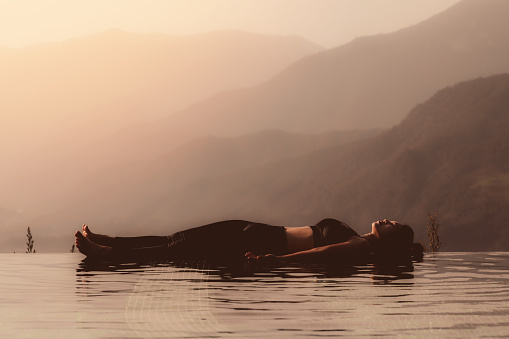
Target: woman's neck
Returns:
[[372, 239]]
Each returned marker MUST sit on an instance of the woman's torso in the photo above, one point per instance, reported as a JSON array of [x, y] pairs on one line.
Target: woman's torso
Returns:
[[299, 238]]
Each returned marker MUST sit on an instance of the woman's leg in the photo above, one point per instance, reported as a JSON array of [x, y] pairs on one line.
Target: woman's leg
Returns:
[[224, 232], [125, 242], [95, 251], [218, 240]]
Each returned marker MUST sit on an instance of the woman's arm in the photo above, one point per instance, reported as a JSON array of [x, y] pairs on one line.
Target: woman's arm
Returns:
[[354, 247]]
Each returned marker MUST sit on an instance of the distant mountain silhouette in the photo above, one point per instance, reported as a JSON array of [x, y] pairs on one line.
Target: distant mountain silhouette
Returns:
[[372, 82], [58, 99], [138, 77]]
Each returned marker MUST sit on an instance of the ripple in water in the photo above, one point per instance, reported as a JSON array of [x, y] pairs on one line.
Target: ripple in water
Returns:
[[446, 295]]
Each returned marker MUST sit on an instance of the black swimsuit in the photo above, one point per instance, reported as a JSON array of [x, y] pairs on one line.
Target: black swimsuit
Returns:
[[332, 231]]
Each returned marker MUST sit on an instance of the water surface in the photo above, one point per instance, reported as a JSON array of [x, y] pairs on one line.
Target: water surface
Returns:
[[446, 295]]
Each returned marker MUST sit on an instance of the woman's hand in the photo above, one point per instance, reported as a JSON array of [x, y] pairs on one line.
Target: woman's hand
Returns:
[[266, 259]]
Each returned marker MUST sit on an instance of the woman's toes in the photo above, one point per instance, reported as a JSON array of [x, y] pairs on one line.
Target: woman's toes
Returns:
[[79, 235]]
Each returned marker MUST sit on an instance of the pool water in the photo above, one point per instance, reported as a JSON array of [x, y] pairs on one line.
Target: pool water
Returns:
[[447, 295]]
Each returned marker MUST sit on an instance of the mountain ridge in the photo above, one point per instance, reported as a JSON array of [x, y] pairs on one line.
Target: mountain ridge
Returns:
[[371, 82], [361, 55], [63, 98]]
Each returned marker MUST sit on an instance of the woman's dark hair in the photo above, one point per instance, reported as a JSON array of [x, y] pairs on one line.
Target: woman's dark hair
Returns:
[[417, 251], [401, 244]]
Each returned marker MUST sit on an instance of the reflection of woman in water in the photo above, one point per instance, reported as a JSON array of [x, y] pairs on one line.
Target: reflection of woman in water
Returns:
[[329, 240]]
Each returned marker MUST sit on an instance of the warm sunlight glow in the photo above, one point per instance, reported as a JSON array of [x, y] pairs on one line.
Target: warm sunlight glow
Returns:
[[327, 22], [254, 168], [159, 114]]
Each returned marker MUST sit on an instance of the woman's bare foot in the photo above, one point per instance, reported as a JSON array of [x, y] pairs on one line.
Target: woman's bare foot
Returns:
[[89, 248], [100, 239]]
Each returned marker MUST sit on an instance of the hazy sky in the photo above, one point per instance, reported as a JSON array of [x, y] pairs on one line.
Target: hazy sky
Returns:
[[327, 22]]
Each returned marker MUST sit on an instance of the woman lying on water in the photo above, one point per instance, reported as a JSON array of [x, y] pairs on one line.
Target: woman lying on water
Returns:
[[329, 240]]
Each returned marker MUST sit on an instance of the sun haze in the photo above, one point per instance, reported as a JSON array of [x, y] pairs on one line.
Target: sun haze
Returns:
[[327, 22]]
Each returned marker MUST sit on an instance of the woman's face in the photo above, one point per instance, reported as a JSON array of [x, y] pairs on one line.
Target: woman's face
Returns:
[[383, 228]]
